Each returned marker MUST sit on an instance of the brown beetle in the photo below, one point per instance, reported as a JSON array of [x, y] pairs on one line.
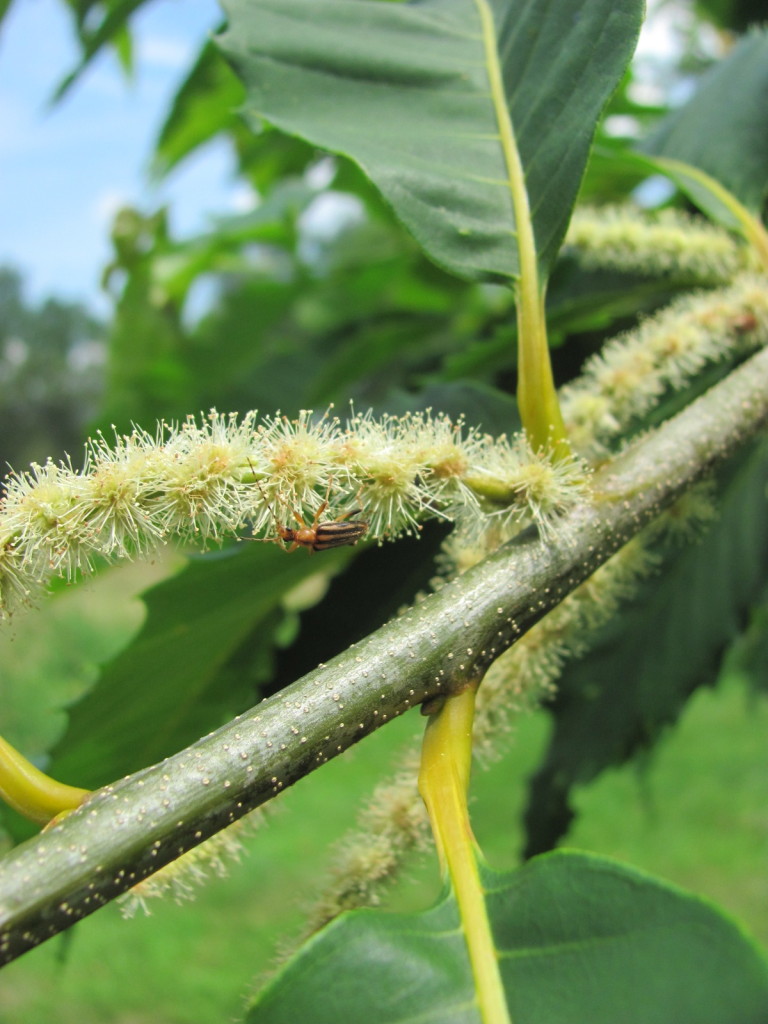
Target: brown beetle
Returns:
[[335, 533]]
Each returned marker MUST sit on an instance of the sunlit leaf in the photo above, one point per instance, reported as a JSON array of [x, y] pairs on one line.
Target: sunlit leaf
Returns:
[[202, 108], [111, 30]]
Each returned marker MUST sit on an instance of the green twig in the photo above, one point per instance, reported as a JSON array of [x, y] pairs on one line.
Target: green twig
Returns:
[[126, 831]]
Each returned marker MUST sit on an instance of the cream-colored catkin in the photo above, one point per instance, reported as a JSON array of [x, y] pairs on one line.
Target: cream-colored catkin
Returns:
[[669, 241], [205, 481], [632, 373], [391, 826]]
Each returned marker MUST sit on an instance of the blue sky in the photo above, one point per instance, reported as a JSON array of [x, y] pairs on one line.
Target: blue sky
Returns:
[[65, 170]]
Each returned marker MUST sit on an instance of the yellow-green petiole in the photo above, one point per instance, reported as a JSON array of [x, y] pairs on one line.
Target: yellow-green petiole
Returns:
[[32, 793], [443, 782]]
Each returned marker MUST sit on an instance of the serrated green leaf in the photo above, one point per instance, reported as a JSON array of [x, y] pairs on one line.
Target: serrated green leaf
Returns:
[[580, 939], [405, 91], [169, 686], [723, 129], [644, 665]]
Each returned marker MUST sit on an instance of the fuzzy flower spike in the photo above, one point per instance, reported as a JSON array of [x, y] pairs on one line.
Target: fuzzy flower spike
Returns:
[[201, 482]]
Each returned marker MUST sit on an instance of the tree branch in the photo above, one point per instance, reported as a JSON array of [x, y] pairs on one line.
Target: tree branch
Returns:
[[128, 830]]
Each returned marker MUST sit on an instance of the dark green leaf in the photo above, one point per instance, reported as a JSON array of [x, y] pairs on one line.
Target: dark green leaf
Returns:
[[580, 939], [403, 89], [169, 686], [735, 15], [646, 663], [480, 405], [723, 129], [749, 654]]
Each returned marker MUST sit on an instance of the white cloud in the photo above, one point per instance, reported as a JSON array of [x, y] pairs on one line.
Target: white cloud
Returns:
[[107, 203], [164, 52]]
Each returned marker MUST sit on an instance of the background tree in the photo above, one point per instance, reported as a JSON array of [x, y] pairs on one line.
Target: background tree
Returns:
[[51, 379]]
